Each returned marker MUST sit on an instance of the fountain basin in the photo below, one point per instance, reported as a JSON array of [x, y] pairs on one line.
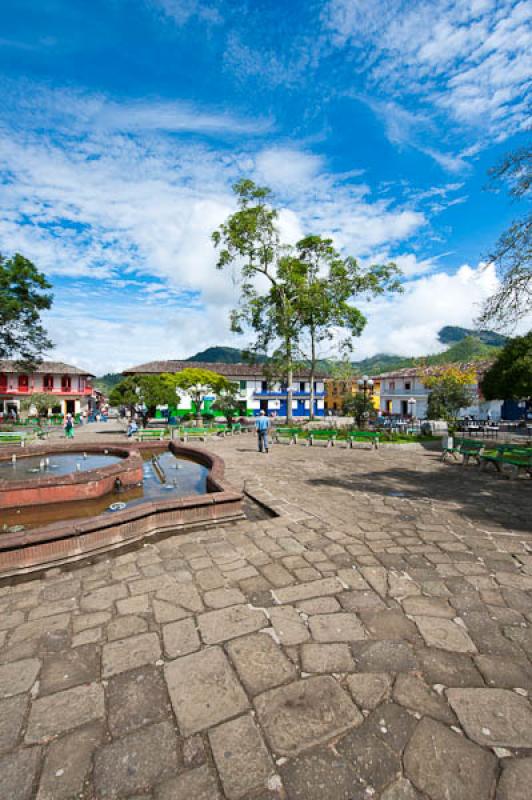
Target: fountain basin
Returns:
[[47, 486], [74, 539]]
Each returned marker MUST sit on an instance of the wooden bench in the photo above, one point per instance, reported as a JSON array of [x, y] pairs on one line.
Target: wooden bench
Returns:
[[514, 456], [363, 437], [467, 448], [287, 435], [322, 436], [146, 434]]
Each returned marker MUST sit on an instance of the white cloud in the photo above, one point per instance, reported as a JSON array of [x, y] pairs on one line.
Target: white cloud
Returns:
[[471, 61], [112, 207], [287, 169], [408, 324], [181, 11]]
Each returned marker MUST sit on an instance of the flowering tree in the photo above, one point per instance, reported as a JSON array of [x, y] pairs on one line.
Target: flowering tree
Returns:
[[450, 390]]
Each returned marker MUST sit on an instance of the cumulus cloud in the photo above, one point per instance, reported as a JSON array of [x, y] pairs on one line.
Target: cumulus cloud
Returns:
[[408, 324]]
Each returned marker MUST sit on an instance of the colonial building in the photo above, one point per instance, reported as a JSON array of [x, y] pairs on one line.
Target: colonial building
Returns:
[[336, 391], [400, 388], [69, 386], [255, 391]]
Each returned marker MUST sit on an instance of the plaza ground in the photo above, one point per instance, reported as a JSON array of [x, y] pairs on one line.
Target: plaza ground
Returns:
[[373, 641]]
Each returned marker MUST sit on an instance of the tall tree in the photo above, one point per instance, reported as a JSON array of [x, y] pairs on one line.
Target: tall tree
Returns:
[[250, 240], [326, 287], [512, 254], [23, 296], [510, 376]]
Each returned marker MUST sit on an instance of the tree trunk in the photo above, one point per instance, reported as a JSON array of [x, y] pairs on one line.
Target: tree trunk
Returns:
[[289, 379], [312, 374]]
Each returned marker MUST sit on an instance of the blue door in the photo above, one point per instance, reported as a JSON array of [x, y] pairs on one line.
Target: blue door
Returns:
[[283, 408], [300, 410]]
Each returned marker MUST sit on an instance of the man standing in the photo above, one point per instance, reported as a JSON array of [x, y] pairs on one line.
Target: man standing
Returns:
[[262, 423]]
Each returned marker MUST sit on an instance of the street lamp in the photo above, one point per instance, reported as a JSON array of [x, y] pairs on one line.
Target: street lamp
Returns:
[[412, 402], [199, 391], [365, 386]]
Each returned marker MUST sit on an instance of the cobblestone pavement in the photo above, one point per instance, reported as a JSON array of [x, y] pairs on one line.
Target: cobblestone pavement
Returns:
[[372, 642]]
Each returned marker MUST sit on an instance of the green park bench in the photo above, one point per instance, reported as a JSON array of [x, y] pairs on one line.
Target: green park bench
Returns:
[[236, 428], [287, 435], [467, 448], [11, 438], [515, 456], [327, 436], [362, 437], [197, 433], [149, 434]]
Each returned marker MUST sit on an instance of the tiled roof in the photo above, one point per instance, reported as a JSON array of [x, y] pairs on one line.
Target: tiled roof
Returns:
[[45, 368], [480, 368], [232, 371]]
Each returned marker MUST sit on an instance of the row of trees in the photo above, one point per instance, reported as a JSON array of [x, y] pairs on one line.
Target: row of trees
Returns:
[[150, 391]]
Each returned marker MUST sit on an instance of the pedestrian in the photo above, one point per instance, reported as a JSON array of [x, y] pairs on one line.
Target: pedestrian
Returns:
[[69, 427], [262, 423]]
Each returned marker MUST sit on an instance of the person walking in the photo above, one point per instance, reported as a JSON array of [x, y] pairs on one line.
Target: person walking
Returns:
[[262, 423], [69, 427]]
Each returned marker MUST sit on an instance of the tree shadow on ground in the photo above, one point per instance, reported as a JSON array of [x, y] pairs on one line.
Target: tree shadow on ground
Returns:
[[487, 498]]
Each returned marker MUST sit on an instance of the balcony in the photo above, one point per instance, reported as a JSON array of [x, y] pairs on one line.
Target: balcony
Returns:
[[16, 392], [421, 392], [276, 395]]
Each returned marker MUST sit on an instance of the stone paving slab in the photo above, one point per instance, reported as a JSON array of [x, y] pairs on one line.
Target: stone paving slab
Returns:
[[372, 642], [243, 761], [57, 713], [228, 623], [135, 762], [493, 716], [204, 690], [260, 663], [68, 764], [443, 764], [305, 713]]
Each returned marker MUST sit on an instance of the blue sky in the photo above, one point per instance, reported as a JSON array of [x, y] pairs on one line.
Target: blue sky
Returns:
[[123, 124]]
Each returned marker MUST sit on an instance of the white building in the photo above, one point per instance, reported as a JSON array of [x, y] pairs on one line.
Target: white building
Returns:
[[255, 391], [399, 388]]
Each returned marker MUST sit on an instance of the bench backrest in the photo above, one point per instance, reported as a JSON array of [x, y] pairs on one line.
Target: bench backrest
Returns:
[[470, 445]]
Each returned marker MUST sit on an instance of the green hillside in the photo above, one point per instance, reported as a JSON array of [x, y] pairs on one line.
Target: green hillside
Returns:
[[452, 333], [106, 382], [221, 355]]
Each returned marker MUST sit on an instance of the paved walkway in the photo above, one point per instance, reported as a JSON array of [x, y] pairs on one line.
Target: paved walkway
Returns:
[[373, 642]]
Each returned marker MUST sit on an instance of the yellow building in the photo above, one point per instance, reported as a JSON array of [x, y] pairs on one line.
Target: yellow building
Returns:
[[337, 390]]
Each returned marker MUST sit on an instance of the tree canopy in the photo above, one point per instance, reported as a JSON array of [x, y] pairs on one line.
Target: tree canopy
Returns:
[[148, 390], [510, 377], [211, 381], [512, 254], [23, 296], [450, 390]]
